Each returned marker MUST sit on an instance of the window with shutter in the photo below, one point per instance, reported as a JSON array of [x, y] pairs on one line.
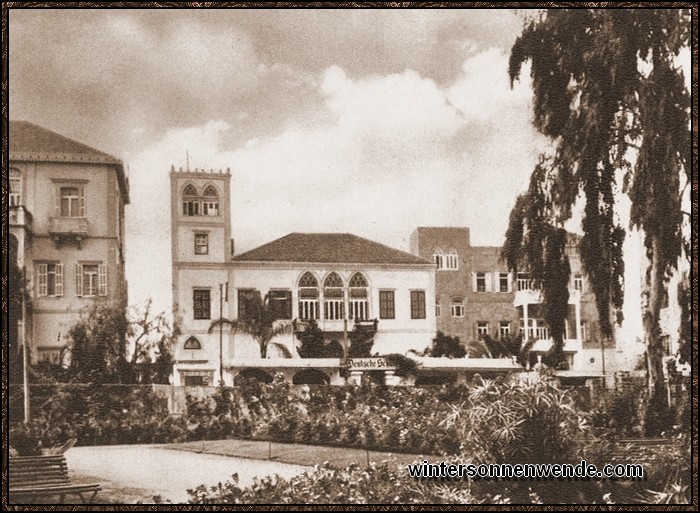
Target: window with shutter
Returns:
[[78, 279], [81, 202], [281, 304], [59, 279], [102, 280]]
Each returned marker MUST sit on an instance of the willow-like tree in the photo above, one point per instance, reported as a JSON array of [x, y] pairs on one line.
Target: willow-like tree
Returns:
[[610, 97]]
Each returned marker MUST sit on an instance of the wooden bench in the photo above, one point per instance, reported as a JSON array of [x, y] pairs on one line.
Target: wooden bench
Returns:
[[45, 476]]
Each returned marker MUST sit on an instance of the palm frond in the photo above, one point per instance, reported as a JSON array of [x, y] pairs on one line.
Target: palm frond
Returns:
[[282, 349]]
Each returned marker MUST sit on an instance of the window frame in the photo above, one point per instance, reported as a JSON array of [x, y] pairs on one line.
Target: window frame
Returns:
[[197, 247], [76, 204], [504, 332], [43, 272], [286, 300], [15, 196], [418, 310], [192, 344], [387, 304], [482, 328], [479, 277], [101, 280], [501, 277], [198, 308], [308, 297], [451, 260], [457, 308]]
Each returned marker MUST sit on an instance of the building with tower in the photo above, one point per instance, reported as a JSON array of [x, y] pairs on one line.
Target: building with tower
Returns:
[[337, 279]]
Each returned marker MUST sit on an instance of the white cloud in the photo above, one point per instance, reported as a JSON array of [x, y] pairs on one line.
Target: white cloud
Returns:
[[386, 154]]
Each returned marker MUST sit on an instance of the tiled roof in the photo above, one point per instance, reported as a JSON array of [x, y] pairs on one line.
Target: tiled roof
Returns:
[[328, 248], [31, 143]]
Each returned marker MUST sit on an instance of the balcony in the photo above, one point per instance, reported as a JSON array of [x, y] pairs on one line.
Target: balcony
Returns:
[[20, 216], [533, 296], [68, 229]]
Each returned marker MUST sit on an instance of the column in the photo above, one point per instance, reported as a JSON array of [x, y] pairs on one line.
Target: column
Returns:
[[526, 320]]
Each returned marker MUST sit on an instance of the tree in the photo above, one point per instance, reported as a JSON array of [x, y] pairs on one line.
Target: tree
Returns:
[[313, 343], [98, 349], [361, 340], [15, 299], [258, 322], [609, 96], [446, 345], [151, 336]]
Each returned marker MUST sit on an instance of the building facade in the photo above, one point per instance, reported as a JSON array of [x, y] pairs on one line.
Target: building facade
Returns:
[[477, 296], [66, 214], [336, 279]]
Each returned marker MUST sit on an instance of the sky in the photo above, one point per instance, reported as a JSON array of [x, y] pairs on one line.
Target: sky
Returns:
[[372, 122]]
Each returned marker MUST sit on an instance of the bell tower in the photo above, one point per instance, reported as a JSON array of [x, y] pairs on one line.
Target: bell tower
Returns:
[[200, 204]]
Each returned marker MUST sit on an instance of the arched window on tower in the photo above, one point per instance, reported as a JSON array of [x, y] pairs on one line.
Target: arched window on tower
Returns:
[[210, 203], [190, 201], [333, 298], [308, 297], [359, 304]]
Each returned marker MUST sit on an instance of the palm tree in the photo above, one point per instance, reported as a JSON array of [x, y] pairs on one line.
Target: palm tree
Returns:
[[258, 322]]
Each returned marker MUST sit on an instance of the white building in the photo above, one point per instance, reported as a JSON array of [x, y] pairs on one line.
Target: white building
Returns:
[[337, 279]]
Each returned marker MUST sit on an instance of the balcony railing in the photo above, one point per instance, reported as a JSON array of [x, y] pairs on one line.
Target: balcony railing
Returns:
[[535, 333], [76, 226], [526, 284]]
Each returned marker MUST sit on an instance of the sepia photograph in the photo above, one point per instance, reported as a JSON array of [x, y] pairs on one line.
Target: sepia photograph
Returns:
[[349, 255]]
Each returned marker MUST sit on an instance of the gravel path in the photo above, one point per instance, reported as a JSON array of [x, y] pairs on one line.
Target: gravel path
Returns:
[[138, 473]]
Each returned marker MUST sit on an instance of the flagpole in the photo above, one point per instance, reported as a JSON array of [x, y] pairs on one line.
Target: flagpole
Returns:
[[25, 355], [221, 334]]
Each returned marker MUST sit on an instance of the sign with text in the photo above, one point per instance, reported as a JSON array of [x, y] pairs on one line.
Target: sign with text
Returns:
[[368, 364]]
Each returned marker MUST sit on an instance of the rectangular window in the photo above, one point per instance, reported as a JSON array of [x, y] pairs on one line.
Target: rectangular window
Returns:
[[481, 282], [417, 304], [482, 328], [201, 243], [71, 201], [190, 207], [584, 332], [504, 282], [197, 378], [15, 187], [281, 304], [452, 261], [333, 309], [578, 283], [386, 304], [49, 354], [504, 329], [457, 308], [438, 308], [248, 301], [359, 309], [202, 303], [308, 303], [49, 279], [211, 208], [91, 280]]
